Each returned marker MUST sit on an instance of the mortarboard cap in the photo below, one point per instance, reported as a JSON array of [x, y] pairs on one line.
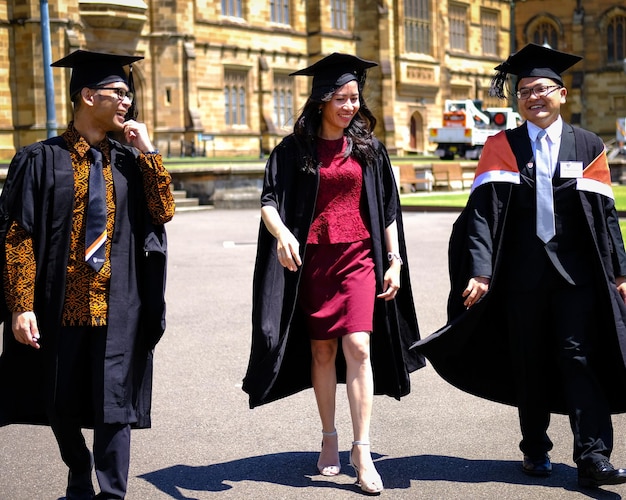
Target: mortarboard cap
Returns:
[[532, 61], [334, 71], [94, 69]]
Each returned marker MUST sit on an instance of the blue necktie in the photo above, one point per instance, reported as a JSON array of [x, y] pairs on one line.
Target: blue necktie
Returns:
[[543, 189], [96, 231]]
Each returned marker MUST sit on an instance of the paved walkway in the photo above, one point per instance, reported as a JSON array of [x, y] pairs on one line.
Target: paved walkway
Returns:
[[437, 443]]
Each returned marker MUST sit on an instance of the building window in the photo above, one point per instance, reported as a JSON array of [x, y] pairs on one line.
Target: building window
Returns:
[[283, 101], [458, 27], [546, 33], [232, 8], [489, 28], [619, 104], [417, 26], [235, 98], [339, 14], [616, 39], [459, 93], [279, 11]]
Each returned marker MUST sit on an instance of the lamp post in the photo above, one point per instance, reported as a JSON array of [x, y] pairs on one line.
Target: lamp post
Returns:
[[512, 40], [512, 43], [51, 119]]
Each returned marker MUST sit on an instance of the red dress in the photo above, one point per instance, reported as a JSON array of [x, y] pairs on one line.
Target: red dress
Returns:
[[338, 287]]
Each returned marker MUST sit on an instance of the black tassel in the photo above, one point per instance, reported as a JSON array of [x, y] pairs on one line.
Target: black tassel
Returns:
[[132, 112], [498, 82]]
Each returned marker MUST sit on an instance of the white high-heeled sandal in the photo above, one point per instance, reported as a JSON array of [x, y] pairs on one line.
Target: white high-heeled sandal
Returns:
[[333, 469], [371, 486]]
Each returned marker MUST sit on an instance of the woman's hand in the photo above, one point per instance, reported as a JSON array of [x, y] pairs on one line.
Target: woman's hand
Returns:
[[288, 250], [287, 246], [391, 281]]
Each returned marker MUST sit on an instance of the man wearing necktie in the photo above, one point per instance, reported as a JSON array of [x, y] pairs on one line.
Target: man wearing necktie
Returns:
[[536, 312], [84, 309]]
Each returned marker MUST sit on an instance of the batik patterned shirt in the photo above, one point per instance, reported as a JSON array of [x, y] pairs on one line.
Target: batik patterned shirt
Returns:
[[86, 290]]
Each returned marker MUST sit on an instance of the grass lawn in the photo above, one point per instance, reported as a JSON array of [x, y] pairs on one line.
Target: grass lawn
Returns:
[[459, 199], [435, 200]]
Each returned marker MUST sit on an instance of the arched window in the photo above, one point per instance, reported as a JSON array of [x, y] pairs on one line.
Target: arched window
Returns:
[[489, 30], [458, 19], [227, 105], [235, 112], [279, 11], [242, 106], [616, 39], [546, 33], [339, 14], [283, 101], [231, 8], [416, 137], [417, 28]]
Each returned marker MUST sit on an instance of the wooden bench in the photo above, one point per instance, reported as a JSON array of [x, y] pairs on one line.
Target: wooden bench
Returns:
[[412, 179], [449, 175]]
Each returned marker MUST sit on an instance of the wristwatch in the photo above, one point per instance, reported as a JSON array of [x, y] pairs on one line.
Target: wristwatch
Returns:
[[394, 255]]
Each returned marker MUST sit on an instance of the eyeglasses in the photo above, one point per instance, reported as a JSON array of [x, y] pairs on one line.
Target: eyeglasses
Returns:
[[121, 93], [537, 90]]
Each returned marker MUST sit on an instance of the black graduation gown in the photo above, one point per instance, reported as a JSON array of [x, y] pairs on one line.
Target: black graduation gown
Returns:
[[280, 358], [39, 195], [471, 351]]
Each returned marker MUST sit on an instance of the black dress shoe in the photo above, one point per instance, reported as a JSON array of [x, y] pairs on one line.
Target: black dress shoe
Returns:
[[79, 484], [600, 473], [537, 466]]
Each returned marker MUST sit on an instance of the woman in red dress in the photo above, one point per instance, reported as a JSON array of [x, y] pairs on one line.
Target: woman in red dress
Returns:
[[335, 257]]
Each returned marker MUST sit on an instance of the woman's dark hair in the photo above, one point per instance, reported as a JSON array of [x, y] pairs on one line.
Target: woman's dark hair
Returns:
[[359, 134]]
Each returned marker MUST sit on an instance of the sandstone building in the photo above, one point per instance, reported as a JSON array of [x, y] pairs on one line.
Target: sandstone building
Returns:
[[215, 78], [595, 30]]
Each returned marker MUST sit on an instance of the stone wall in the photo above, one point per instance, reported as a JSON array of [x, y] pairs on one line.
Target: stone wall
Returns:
[[191, 48]]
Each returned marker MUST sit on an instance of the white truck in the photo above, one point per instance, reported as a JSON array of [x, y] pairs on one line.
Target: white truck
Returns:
[[466, 128], [617, 147]]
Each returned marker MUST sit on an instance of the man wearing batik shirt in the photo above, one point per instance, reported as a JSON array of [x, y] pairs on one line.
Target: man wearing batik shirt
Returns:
[[84, 316]]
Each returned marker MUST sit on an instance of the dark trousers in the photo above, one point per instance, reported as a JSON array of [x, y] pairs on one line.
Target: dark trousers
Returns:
[[553, 326], [80, 378]]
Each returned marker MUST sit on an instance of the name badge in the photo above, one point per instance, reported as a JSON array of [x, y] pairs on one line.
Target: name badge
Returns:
[[571, 169]]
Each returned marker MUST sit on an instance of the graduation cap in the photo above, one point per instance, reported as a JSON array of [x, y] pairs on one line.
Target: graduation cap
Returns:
[[97, 69], [532, 61], [334, 71]]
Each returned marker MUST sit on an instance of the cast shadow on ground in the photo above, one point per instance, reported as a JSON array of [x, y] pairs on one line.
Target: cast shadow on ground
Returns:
[[295, 469]]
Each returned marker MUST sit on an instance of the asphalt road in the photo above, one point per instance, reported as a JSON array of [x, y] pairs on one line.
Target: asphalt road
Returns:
[[437, 443]]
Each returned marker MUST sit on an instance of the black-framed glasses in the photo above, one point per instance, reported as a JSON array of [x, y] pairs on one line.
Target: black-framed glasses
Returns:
[[538, 90], [121, 93]]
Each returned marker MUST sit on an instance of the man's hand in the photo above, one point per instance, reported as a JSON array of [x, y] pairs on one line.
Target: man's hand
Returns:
[[136, 134], [25, 329], [620, 281], [476, 288]]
